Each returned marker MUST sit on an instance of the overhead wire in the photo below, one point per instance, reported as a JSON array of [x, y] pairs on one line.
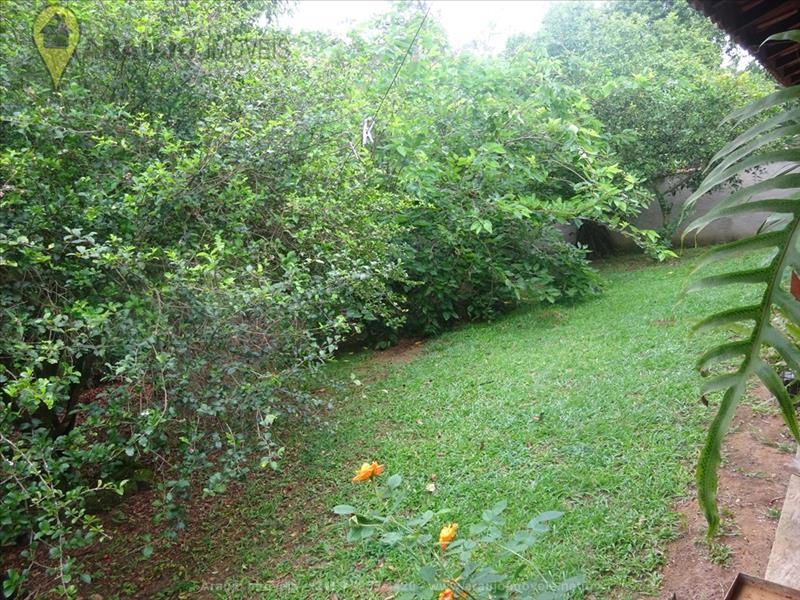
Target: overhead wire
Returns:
[[402, 62], [375, 114]]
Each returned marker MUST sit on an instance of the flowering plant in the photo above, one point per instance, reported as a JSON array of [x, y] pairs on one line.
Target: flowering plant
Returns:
[[454, 565]]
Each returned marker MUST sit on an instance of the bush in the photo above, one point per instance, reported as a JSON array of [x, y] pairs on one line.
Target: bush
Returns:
[[472, 275], [167, 285], [496, 155]]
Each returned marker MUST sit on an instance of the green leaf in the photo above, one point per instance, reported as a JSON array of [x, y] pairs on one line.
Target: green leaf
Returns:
[[763, 333], [428, 574], [777, 205], [722, 382], [719, 176], [786, 36], [775, 385], [539, 522], [755, 130], [520, 541], [563, 588], [394, 482], [774, 99], [738, 278], [787, 349], [477, 528], [749, 244], [390, 538], [344, 509], [710, 458], [735, 157], [782, 181], [727, 317], [357, 533], [493, 147], [723, 352], [491, 514], [423, 519], [789, 305], [754, 144], [367, 520], [12, 582], [487, 576]]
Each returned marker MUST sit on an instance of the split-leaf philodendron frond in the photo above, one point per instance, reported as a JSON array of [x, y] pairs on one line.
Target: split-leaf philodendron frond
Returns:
[[770, 141]]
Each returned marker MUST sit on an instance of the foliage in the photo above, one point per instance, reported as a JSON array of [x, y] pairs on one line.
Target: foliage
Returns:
[[160, 246], [655, 77], [764, 260], [463, 561], [495, 153]]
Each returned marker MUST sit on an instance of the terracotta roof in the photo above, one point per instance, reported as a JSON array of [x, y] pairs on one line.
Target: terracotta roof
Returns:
[[750, 22]]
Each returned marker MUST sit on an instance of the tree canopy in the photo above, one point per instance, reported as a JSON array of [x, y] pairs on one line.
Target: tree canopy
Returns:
[[659, 76]]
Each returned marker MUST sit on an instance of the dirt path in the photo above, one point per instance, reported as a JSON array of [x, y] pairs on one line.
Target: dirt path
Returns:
[[753, 479]]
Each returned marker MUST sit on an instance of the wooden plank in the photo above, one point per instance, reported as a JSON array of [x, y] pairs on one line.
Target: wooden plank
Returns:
[[784, 560], [747, 587], [773, 18], [774, 50], [750, 22]]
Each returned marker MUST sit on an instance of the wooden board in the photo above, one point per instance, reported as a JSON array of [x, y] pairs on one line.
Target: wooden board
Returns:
[[745, 587], [784, 560]]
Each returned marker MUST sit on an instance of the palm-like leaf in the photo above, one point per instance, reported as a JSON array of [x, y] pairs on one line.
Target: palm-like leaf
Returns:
[[772, 140]]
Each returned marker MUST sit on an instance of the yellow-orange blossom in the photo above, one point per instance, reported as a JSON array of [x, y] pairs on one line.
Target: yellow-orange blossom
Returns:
[[367, 471], [447, 595], [447, 535]]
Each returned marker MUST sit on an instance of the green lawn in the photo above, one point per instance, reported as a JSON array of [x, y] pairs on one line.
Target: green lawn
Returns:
[[589, 409]]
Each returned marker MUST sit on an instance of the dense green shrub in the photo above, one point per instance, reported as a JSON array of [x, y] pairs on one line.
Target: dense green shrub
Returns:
[[177, 244], [496, 153]]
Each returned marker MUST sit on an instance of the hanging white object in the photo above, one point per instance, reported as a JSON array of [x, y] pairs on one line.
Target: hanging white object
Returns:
[[366, 131]]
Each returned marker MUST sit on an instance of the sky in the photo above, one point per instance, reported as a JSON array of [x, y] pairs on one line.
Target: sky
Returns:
[[491, 22]]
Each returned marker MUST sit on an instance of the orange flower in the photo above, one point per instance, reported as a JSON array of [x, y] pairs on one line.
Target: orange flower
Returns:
[[368, 471], [447, 595], [447, 535], [363, 473]]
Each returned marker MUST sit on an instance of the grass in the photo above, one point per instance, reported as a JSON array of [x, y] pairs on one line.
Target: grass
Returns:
[[590, 409], [720, 554]]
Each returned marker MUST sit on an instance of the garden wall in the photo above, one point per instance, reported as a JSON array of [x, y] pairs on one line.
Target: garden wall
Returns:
[[722, 230]]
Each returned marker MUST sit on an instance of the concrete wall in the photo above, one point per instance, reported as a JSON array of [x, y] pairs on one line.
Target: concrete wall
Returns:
[[722, 230]]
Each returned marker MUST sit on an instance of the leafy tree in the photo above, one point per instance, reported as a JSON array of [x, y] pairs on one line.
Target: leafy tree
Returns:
[[173, 232], [654, 74], [494, 153]]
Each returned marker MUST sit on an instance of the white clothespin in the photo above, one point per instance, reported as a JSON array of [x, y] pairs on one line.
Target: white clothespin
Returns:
[[366, 131]]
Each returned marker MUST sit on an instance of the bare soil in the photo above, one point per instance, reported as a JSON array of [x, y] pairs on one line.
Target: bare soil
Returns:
[[757, 463], [401, 353]]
